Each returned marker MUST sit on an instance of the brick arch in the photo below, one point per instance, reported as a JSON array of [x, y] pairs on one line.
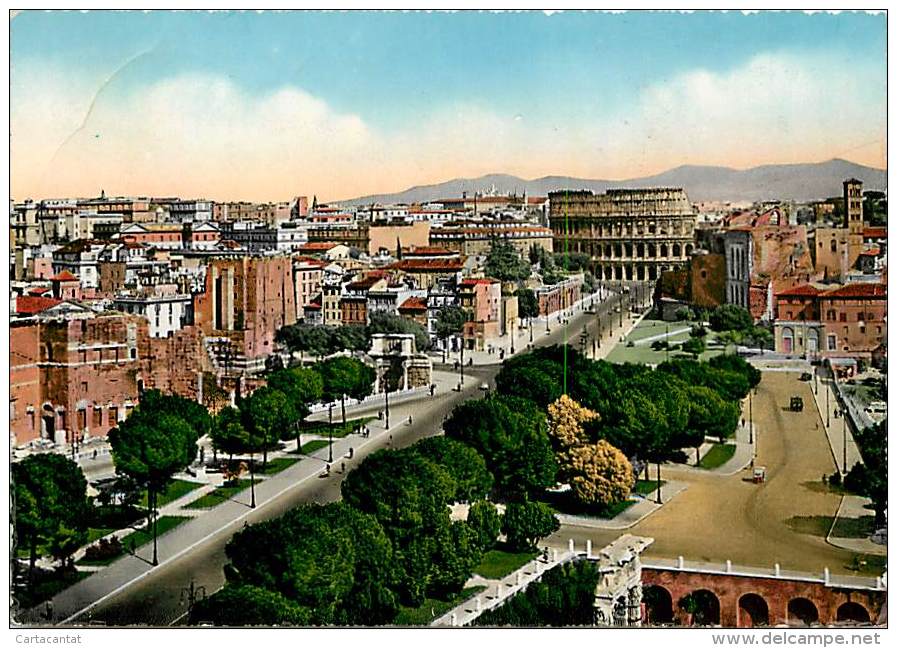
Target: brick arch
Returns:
[[802, 611], [701, 607], [852, 611], [658, 605], [753, 611]]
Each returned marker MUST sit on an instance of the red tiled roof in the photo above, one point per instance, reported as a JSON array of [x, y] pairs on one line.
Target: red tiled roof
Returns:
[[474, 282], [38, 290], [65, 275], [858, 290], [871, 252], [804, 290], [875, 232], [312, 306], [436, 265], [29, 305], [427, 250], [413, 304], [314, 246]]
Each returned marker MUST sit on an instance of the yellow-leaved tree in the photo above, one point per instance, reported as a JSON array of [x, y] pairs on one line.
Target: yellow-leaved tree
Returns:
[[598, 473]]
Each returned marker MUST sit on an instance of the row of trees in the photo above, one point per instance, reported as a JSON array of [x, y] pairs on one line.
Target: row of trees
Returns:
[[870, 478], [320, 341], [390, 542], [646, 414]]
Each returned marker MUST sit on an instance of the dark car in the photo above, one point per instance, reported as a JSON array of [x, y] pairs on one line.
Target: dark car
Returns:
[[806, 376], [797, 404]]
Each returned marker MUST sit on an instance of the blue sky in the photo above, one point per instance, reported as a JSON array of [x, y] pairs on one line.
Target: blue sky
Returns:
[[570, 74]]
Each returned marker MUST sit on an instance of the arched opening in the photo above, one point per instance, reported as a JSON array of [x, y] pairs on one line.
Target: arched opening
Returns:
[[787, 339], [703, 606], [48, 423], [689, 248], [658, 605], [652, 272], [802, 611], [677, 250], [852, 612], [752, 611]]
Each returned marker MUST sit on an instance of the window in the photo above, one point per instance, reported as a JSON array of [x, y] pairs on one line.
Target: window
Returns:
[[834, 245], [843, 317], [83, 387], [97, 416], [832, 343]]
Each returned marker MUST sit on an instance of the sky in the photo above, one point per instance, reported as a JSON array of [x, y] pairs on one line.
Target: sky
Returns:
[[265, 106]]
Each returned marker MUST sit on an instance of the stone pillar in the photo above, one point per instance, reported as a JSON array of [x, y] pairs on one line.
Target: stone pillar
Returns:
[[588, 548], [635, 605], [681, 562], [570, 545], [454, 619]]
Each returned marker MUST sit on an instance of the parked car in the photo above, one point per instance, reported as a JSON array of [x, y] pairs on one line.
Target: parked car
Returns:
[[805, 376], [797, 404]]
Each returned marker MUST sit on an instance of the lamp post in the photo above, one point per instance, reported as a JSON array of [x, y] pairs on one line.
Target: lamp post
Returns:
[[461, 365], [843, 441], [330, 434], [530, 329], [192, 595], [667, 340], [828, 420], [751, 416], [386, 396], [252, 478]]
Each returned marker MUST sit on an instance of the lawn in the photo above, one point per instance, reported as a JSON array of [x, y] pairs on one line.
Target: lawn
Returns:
[[175, 490], [219, 495], [644, 354], [94, 534], [719, 454], [339, 430], [311, 446], [645, 487], [140, 537], [432, 608], [498, 562], [565, 504], [277, 465]]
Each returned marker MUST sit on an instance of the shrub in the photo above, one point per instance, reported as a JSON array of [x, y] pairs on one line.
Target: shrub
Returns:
[[525, 523], [104, 549]]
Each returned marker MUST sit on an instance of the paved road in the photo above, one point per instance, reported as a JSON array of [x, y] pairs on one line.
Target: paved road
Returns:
[[158, 598], [719, 518]]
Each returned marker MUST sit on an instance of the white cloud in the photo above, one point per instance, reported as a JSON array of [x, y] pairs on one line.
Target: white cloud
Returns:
[[202, 135]]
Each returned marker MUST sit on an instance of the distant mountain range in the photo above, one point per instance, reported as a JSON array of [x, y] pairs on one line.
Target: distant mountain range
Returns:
[[799, 182]]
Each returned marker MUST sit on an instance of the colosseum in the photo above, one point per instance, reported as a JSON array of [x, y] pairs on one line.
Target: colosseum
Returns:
[[630, 234]]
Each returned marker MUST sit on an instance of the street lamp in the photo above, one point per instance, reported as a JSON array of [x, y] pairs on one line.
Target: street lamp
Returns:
[[751, 416], [530, 329], [844, 441], [462, 361], [330, 433], [386, 395], [192, 595]]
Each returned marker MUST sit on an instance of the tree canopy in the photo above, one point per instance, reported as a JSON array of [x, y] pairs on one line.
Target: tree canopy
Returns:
[[527, 303], [51, 506], [525, 523], [729, 317], [450, 321], [505, 264]]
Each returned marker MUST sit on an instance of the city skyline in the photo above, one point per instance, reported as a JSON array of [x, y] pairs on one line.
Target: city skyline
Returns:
[[263, 106]]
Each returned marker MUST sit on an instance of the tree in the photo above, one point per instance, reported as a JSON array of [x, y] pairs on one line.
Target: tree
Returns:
[[192, 412], [465, 465], [598, 473], [710, 415], [151, 446], [527, 304], [525, 523], [249, 605], [51, 505], [684, 313], [505, 264], [483, 518], [738, 365], [450, 321], [330, 559], [228, 433], [302, 387], [267, 414], [730, 317], [344, 376], [565, 422], [572, 261], [389, 323], [510, 434], [695, 346]]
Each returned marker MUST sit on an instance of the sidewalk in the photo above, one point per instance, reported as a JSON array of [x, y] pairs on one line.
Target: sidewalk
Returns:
[[83, 596], [836, 429], [741, 459], [632, 515]]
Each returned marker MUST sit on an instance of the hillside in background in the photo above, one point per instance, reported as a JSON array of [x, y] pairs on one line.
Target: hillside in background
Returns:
[[800, 182]]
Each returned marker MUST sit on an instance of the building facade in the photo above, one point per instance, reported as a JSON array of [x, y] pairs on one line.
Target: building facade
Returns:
[[630, 234]]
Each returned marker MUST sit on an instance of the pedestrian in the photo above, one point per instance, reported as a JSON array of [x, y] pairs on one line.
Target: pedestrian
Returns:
[[380, 415], [409, 419], [390, 439], [94, 454], [343, 467]]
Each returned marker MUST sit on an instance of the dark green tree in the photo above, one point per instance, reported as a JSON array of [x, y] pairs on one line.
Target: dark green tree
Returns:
[[525, 523], [466, 466], [511, 435], [527, 304], [248, 605], [267, 415], [302, 387], [151, 446], [228, 433], [450, 321], [51, 506], [484, 519], [505, 264], [737, 364], [345, 376], [730, 317]]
